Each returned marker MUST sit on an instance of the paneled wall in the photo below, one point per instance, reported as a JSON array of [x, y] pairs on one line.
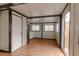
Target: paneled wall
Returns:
[[19, 27], [18, 31]]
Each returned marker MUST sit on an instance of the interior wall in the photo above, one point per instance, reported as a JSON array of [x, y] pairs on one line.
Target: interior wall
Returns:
[[50, 35], [4, 30], [72, 22], [46, 34], [34, 34], [58, 31], [24, 30], [75, 35]]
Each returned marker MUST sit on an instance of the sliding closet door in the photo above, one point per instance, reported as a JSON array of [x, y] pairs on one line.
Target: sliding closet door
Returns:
[[16, 32]]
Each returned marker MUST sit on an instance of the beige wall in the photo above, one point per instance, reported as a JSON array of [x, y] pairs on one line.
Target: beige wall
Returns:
[[72, 20], [4, 30], [66, 34], [75, 18]]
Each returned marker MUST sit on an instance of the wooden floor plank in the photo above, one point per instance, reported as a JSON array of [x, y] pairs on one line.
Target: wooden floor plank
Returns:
[[37, 47]]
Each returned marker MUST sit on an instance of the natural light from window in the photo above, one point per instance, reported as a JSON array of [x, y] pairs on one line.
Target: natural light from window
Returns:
[[49, 28], [35, 27]]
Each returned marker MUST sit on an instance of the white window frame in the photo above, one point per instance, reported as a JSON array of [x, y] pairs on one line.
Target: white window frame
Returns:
[[49, 30], [35, 25]]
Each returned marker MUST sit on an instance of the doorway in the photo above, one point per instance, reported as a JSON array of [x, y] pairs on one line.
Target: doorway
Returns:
[[66, 33]]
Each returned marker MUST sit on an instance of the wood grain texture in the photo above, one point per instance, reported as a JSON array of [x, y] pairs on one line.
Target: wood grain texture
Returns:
[[37, 47]]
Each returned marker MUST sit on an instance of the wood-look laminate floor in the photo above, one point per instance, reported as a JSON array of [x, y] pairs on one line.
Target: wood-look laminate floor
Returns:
[[37, 47]]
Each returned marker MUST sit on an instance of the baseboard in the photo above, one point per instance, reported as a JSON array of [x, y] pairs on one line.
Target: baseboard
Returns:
[[42, 38], [5, 51], [63, 52]]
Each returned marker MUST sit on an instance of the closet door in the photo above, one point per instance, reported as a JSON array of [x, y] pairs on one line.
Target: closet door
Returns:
[[16, 32]]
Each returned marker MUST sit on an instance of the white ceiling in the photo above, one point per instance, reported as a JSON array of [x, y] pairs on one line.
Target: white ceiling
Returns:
[[40, 9]]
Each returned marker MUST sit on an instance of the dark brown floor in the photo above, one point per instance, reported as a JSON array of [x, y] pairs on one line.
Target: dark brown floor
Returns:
[[37, 47]]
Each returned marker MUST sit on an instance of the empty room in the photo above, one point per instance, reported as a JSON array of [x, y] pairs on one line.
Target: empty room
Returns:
[[39, 29]]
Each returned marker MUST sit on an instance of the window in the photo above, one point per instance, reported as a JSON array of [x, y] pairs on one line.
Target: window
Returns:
[[57, 27], [35, 27], [49, 28]]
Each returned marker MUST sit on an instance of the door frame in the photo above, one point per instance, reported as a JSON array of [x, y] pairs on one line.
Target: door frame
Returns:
[[65, 11], [64, 30]]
